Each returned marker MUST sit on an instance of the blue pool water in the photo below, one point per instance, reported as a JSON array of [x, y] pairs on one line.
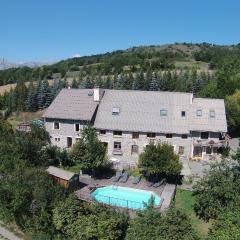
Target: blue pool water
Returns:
[[124, 197]]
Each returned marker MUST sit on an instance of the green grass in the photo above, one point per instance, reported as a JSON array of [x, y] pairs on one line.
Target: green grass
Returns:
[[191, 64], [16, 118], [75, 168], [185, 201]]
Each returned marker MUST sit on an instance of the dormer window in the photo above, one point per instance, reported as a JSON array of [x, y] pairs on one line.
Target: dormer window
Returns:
[[199, 112], [212, 114], [183, 113], [163, 112], [115, 111]]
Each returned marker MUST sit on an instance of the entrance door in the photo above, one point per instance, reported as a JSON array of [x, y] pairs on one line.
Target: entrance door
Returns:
[[69, 142]]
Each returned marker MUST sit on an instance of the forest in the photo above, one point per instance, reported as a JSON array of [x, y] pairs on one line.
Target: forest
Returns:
[[206, 70]]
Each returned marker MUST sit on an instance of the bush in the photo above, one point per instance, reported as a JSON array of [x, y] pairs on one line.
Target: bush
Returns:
[[160, 160]]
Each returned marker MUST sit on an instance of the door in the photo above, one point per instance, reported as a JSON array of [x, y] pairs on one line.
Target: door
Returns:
[[69, 142]]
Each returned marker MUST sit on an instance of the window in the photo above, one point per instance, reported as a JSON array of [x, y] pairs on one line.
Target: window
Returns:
[[77, 127], [181, 150], [102, 131], [204, 135], [168, 135], [184, 136], [135, 149], [163, 112], [115, 111], [77, 139], [151, 135], [117, 133], [199, 113], [56, 125], [57, 139], [117, 146], [135, 135], [212, 114], [183, 113]]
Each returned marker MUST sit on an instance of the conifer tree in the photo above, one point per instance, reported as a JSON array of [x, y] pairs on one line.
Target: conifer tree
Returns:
[[154, 82], [88, 83], [31, 103], [74, 83], [21, 94]]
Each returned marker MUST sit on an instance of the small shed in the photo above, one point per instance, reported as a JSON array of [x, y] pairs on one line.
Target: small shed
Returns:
[[65, 178], [24, 127]]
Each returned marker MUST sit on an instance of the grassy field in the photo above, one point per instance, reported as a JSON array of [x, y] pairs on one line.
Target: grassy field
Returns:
[[185, 201], [16, 118]]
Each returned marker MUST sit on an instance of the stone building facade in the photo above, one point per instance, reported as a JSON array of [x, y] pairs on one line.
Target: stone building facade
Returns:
[[128, 121]]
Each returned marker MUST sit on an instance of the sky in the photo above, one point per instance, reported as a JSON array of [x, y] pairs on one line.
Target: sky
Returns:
[[33, 30]]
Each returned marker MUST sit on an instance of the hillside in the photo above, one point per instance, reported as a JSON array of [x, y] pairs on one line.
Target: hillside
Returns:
[[171, 56]]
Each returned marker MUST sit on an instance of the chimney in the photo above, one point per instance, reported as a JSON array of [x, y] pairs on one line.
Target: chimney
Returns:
[[97, 94]]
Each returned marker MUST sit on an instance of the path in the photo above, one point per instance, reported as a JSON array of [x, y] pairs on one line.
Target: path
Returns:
[[6, 234]]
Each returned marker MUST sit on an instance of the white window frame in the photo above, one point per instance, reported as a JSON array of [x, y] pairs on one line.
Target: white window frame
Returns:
[[115, 111], [199, 111], [163, 112], [212, 114]]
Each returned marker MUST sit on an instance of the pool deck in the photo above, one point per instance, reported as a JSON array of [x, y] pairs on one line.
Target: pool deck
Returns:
[[165, 192]]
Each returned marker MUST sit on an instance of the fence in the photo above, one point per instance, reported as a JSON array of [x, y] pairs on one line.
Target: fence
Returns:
[[124, 203]]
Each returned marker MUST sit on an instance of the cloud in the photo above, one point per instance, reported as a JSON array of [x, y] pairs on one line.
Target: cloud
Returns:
[[76, 55]]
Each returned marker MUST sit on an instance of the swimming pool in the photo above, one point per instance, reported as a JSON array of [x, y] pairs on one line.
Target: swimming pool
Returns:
[[124, 197]]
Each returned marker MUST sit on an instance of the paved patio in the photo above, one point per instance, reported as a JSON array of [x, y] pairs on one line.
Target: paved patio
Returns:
[[165, 192]]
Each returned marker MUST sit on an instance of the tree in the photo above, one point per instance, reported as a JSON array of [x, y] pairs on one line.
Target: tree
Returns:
[[151, 224], [154, 83], [160, 160], [31, 103], [21, 95], [89, 152], [226, 227], [218, 191], [233, 111], [74, 83], [75, 220]]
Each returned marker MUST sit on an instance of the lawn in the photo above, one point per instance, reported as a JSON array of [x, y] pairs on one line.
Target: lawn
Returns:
[[75, 168], [16, 118], [185, 200]]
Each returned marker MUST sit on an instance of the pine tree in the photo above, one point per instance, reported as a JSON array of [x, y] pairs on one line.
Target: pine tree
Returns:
[[21, 94], [31, 102], [148, 79], [74, 83], [43, 94], [138, 83], [154, 83], [108, 83], [88, 83]]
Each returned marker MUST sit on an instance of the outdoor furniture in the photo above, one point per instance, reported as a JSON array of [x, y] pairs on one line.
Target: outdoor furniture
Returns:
[[124, 177], [117, 176], [158, 184], [149, 184], [136, 180]]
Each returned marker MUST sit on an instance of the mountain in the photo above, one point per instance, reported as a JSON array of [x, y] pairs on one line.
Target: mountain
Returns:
[[6, 64]]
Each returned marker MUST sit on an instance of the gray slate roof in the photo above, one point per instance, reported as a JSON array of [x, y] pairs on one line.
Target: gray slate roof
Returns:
[[73, 104], [140, 112], [60, 173]]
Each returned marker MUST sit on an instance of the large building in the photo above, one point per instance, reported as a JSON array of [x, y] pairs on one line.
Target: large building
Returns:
[[127, 121]]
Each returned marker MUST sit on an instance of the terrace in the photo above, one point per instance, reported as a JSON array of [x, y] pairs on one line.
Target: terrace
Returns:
[[166, 191]]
